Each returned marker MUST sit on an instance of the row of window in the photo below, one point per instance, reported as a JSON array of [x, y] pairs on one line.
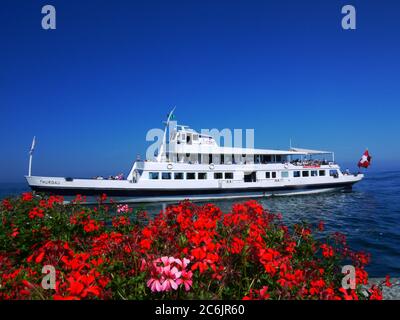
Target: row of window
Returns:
[[229, 175], [314, 173], [225, 158], [306, 173], [302, 173], [189, 175], [271, 174]]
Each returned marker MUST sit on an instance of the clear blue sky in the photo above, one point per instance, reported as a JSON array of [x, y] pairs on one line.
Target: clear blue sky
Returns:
[[91, 89]]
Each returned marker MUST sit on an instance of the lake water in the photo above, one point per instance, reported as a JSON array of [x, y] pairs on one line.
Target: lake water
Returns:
[[369, 216]]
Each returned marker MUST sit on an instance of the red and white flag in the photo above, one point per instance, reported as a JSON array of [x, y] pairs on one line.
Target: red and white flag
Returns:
[[365, 160]]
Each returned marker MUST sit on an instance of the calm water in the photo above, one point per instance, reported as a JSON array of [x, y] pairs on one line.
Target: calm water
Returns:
[[369, 216]]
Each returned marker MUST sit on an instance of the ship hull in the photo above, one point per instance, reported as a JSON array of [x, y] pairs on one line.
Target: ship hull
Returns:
[[160, 194]]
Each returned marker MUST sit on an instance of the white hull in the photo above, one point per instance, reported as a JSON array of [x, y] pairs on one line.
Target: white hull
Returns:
[[156, 191]]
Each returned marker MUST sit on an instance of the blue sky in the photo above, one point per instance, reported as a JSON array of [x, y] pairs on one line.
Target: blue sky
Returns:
[[91, 89]]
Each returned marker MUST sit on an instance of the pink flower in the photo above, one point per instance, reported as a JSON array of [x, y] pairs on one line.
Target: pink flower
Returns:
[[169, 284], [122, 208], [167, 260], [168, 273], [155, 285], [183, 263], [171, 276]]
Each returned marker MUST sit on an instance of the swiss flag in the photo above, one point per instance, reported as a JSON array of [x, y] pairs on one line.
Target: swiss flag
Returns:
[[365, 160]]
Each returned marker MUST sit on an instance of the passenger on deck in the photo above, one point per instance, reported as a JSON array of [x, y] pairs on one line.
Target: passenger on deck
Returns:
[[119, 177]]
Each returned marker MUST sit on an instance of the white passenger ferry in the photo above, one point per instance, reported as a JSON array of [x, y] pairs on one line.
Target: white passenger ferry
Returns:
[[193, 166]]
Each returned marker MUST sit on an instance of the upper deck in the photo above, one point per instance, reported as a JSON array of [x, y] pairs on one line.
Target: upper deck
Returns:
[[188, 146]]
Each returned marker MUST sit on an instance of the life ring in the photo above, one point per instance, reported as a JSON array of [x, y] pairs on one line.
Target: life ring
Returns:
[[286, 165], [212, 166], [169, 166]]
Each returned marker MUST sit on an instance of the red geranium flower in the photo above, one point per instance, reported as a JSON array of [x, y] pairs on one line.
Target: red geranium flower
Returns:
[[7, 204], [27, 196], [327, 251], [387, 281], [36, 212]]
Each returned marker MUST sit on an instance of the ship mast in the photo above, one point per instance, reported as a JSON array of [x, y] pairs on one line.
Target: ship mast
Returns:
[[31, 155], [162, 154]]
